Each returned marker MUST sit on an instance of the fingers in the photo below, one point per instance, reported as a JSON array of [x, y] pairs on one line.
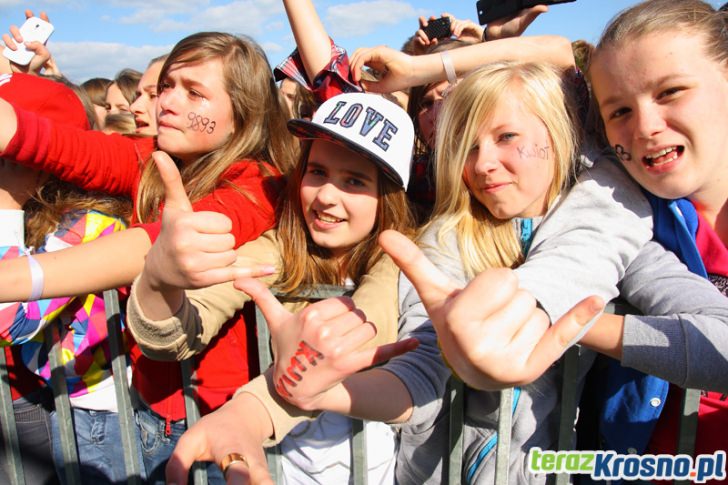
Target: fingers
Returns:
[[433, 286], [562, 334], [9, 41], [275, 314], [174, 190], [189, 448]]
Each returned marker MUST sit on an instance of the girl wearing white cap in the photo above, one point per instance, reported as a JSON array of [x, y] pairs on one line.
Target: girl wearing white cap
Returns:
[[347, 189]]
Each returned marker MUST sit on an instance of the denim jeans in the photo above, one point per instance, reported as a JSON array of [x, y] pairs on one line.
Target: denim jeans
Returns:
[[33, 423], [100, 450], [157, 446]]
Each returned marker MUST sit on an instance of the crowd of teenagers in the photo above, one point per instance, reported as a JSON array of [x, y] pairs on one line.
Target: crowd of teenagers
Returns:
[[480, 195]]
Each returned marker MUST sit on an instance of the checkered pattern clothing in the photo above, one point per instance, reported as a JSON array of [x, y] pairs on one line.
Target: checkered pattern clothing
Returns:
[[333, 79], [85, 353]]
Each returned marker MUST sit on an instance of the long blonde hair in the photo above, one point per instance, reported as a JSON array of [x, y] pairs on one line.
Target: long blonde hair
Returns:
[[483, 240], [306, 263], [259, 118]]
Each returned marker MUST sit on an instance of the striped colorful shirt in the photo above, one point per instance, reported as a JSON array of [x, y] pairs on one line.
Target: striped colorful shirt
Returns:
[[85, 354]]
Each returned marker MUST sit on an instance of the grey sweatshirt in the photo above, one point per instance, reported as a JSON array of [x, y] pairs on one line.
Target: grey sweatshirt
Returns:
[[594, 239]]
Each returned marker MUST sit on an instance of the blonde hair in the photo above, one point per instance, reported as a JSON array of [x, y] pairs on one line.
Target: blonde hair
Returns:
[[483, 240], [259, 118], [308, 264], [670, 16]]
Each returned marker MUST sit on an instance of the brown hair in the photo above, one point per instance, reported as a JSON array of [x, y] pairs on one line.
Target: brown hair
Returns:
[[96, 89], [308, 264], [127, 80], [652, 16], [55, 199], [259, 118]]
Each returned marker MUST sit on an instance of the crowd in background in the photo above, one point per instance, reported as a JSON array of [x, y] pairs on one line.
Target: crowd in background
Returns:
[[480, 193]]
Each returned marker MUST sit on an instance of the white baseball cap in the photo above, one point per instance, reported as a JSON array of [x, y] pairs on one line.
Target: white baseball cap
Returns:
[[369, 124]]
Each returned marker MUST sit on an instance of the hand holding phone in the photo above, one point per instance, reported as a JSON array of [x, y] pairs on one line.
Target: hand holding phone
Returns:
[[438, 28], [490, 10], [34, 29]]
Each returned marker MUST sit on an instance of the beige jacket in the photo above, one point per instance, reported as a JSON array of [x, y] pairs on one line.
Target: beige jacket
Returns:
[[205, 311]]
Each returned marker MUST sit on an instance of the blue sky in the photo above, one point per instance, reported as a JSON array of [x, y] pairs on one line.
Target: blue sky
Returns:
[[101, 37]]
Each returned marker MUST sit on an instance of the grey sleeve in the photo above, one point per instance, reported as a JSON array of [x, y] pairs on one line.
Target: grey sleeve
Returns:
[[423, 370], [685, 337], [585, 243]]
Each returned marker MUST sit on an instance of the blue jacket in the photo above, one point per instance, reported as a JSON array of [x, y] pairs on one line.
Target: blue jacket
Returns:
[[635, 400]]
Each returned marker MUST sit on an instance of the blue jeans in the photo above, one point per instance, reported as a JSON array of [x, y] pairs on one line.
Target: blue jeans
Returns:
[[100, 450], [157, 446], [33, 423]]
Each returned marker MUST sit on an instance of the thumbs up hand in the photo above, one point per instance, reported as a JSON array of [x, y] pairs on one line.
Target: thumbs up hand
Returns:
[[194, 249], [318, 347], [492, 333]]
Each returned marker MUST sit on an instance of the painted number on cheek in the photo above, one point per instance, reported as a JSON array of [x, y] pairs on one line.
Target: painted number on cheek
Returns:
[[623, 154], [200, 123], [296, 368]]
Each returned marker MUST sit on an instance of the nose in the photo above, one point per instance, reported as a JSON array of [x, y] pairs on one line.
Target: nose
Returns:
[[137, 107], [485, 161], [327, 194], [167, 99], [649, 121]]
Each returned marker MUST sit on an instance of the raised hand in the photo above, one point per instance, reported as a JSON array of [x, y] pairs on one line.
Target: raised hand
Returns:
[[398, 69], [194, 249], [462, 29], [233, 428], [318, 347], [514, 25], [42, 58], [491, 333]]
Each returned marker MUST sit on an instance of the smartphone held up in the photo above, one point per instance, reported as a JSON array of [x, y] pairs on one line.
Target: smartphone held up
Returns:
[[490, 10], [34, 29], [438, 28]]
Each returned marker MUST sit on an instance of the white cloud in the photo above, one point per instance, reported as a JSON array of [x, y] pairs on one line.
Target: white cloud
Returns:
[[80, 61], [241, 16], [362, 18]]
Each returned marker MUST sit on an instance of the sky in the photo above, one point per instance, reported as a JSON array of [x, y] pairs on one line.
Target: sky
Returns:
[[98, 38]]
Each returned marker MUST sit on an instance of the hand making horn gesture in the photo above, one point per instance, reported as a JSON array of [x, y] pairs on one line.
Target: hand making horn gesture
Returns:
[[491, 333], [319, 346]]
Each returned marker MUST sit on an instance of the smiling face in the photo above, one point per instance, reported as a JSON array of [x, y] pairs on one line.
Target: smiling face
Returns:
[[338, 196], [144, 106], [511, 167], [194, 110], [664, 103]]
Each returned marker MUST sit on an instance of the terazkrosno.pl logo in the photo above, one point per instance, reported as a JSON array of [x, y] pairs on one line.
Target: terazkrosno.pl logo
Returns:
[[608, 465]]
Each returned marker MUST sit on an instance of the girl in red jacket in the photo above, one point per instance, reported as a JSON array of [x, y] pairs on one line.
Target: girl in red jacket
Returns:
[[220, 119]]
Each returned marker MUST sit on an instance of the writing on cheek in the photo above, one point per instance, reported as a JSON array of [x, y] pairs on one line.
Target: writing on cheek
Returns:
[[296, 367], [623, 154], [200, 123], [534, 152]]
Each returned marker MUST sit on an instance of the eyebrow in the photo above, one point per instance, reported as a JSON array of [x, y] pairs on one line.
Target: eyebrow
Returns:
[[349, 172], [616, 98]]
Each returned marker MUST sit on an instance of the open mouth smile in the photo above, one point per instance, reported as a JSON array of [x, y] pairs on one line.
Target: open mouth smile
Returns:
[[663, 156]]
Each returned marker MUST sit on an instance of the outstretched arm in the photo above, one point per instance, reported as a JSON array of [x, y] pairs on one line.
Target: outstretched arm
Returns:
[[312, 40], [403, 71]]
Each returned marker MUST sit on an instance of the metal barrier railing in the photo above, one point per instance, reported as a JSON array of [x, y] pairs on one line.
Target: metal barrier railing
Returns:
[[686, 441]]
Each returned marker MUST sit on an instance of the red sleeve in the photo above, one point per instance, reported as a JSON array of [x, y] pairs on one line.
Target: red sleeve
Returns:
[[246, 195], [335, 78], [90, 159]]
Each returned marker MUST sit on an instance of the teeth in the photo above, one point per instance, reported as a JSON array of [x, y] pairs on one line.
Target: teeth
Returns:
[[327, 218], [661, 153]]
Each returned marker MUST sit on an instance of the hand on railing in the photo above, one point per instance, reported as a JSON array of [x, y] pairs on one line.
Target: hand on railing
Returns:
[[230, 429], [491, 333], [318, 347]]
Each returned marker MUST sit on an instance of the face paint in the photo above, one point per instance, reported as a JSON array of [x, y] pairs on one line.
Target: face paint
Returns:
[[200, 123], [534, 152]]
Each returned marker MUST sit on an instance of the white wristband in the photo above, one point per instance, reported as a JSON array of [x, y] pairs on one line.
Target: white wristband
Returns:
[[449, 69], [36, 278]]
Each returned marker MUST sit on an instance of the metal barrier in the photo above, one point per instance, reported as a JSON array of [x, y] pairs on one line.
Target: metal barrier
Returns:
[[686, 442]]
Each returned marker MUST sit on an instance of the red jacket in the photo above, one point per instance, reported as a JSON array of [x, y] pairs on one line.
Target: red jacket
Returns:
[[112, 164]]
